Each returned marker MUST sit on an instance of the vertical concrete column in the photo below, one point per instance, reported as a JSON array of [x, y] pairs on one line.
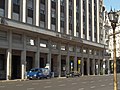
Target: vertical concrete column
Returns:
[[8, 9], [23, 10], [68, 60], [9, 62], [82, 66], [74, 17], [23, 64], [59, 60], [93, 37], [9, 57], [23, 59], [67, 16], [37, 54], [87, 19], [58, 15], [81, 17], [49, 55], [75, 59], [48, 14], [93, 66], [88, 66], [36, 14], [98, 34]]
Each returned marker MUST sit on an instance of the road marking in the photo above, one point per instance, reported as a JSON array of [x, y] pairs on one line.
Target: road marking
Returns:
[[19, 85], [30, 88], [61, 85], [35, 83], [102, 85], [92, 87], [81, 89], [47, 86], [74, 83], [2, 86]]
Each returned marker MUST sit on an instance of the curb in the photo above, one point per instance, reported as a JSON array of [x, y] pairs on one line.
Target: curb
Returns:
[[12, 80]]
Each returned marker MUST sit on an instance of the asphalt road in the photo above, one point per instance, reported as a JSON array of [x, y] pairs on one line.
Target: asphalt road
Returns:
[[77, 83]]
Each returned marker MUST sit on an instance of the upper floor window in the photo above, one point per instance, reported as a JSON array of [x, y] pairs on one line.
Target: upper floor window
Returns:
[[17, 2], [31, 41], [30, 4]]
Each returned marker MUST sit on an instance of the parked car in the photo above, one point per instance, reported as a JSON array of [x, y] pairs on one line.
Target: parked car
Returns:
[[73, 74], [38, 73]]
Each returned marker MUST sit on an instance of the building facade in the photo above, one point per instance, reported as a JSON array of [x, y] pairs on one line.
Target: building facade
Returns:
[[63, 35], [109, 41]]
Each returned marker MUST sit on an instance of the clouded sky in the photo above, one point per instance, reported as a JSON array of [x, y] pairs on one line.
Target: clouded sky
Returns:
[[115, 4]]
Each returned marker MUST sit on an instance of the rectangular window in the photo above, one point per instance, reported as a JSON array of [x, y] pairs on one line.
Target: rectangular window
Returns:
[[2, 4], [63, 48], [31, 41], [30, 11], [43, 43]]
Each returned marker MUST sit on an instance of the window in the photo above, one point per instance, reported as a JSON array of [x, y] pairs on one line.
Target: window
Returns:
[[42, 1], [29, 11], [16, 10], [43, 43], [17, 2], [53, 21], [63, 47], [42, 17], [2, 4], [31, 41], [62, 24], [54, 45]]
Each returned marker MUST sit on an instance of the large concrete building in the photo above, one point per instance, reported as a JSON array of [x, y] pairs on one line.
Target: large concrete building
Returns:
[[63, 35]]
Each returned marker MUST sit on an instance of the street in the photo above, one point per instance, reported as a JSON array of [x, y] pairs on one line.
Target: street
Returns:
[[76, 83]]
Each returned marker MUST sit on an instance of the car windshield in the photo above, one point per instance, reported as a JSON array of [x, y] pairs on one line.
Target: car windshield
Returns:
[[36, 70]]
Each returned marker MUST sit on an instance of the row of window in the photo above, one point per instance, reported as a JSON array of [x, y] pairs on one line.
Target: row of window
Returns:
[[32, 41], [16, 15]]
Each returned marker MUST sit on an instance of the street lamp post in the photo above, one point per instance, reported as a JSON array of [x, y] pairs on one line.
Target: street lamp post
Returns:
[[113, 17]]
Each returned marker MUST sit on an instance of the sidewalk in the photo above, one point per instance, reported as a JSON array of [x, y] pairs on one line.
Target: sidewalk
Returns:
[[13, 80]]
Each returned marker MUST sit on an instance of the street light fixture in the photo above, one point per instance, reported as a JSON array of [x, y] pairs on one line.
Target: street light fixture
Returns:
[[113, 17]]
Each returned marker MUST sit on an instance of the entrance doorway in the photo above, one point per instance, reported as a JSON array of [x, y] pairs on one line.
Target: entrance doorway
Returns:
[[16, 67], [85, 67]]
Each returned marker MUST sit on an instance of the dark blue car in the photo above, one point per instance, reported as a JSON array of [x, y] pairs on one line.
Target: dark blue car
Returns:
[[38, 73]]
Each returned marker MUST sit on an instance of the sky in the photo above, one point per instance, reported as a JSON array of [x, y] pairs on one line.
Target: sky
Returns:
[[115, 4]]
